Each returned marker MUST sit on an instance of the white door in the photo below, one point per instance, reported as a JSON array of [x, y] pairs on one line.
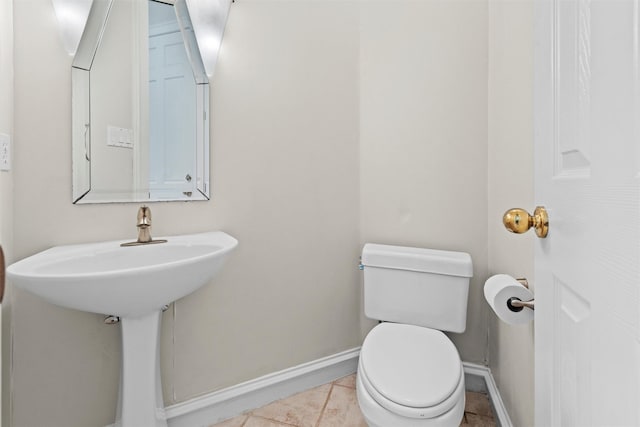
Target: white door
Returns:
[[172, 122], [587, 173]]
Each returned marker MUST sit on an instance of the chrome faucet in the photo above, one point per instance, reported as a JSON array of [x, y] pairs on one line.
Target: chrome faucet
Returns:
[[144, 229], [144, 225]]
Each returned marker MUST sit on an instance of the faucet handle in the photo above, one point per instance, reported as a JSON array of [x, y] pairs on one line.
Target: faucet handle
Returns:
[[144, 229], [144, 217]]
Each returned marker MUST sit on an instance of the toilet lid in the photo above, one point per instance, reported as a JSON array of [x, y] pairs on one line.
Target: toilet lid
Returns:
[[411, 365]]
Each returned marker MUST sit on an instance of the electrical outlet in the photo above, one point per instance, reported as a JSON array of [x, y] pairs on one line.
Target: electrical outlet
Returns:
[[5, 152]]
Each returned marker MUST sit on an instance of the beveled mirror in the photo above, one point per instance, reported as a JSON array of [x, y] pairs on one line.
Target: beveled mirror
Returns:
[[140, 105]]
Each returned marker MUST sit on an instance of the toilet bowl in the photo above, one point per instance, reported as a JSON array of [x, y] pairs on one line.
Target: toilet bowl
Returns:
[[409, 376], [409, 372]]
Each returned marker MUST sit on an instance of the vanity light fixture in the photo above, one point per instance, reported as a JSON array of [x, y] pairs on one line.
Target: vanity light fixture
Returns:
[[208, 18], [72, 17]]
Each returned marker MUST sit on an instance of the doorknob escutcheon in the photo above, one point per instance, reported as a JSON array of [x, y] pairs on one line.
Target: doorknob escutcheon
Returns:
[[519, 221]]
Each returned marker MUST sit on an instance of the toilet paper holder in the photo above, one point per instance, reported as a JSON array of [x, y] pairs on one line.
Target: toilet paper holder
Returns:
[[516, 304]]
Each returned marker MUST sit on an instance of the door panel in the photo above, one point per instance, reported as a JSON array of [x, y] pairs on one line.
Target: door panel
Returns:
[[586, 154], [172, 107]]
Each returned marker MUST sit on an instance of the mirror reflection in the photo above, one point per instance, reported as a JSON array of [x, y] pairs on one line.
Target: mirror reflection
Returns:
[[140, 105]]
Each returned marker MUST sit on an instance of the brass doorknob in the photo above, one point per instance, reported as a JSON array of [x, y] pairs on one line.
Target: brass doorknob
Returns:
[[519, 221], [2, 274]]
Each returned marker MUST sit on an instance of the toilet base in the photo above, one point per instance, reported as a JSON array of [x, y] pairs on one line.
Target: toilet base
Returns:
[[377, 416]]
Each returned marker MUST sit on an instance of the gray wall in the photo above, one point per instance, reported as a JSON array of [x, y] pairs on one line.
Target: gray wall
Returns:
[[423, 135], [511, 347], [6, 180], [334, 123]]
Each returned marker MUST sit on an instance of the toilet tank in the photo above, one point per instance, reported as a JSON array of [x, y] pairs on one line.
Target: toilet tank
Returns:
[[424, 287]]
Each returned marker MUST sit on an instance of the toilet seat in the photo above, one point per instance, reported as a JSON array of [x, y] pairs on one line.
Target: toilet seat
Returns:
[[411, 370]]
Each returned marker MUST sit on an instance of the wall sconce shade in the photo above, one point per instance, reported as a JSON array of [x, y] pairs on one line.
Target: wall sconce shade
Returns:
[[72, 17], [209, 18]]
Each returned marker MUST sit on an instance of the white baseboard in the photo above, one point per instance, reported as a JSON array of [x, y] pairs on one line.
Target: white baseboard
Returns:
[[217, 406], [211, 408], [498, 405]]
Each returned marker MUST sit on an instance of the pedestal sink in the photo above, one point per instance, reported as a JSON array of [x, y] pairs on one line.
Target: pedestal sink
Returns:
[[134, 283]]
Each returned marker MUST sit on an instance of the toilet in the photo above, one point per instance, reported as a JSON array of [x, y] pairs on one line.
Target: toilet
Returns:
[[409, 372]]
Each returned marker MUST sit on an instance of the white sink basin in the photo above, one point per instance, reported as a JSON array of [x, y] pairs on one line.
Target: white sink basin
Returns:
[[124, 281], [132, 282]]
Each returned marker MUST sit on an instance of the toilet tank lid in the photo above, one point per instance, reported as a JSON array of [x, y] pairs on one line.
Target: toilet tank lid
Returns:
[[417, 259]]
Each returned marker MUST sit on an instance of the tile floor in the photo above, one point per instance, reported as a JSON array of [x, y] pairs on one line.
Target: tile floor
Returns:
[[335, 405]]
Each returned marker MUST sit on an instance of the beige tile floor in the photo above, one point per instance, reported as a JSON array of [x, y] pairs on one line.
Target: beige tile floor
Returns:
[[335, 405]]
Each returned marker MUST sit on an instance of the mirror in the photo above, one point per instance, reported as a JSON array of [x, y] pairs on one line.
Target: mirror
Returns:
[[140, 105]]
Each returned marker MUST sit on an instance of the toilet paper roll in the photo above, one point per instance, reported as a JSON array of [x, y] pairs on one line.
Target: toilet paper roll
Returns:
[[499, 289]]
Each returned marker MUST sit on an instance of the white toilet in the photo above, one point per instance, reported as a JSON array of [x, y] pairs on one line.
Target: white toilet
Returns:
[[409, 372]]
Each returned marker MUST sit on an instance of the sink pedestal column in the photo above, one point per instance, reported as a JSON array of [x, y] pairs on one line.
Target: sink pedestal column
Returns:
[[141, 403]]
